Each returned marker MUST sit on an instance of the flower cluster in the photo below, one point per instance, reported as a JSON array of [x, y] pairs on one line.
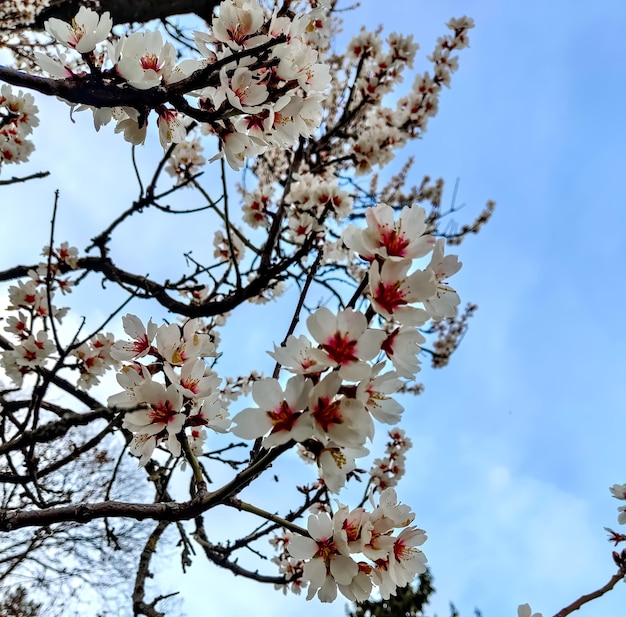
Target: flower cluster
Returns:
[[188, 398], [380, 68], [258, 100], [18, 116], [186, 160], [340, 382], [313, 198], [387, 471], [395, 286], [32, 326], [355, 550]]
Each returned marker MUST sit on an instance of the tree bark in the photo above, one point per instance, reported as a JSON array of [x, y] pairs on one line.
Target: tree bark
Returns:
[[123, 11]]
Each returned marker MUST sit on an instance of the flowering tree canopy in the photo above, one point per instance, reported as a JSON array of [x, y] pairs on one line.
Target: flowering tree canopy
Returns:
[[359, 258]]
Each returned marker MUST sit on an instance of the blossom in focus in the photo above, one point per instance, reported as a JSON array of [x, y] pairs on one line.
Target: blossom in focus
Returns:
[[393, 290], [141, 344], [212, 414], [280, 413], [406, 561], [401, 347], [84, 33], [326, 566], [404, 239], [347, 340], [143, 59], [374, 393], [162, 415], [338, 418], [195, 379], [299, 356], [237, 23], [179, 346]]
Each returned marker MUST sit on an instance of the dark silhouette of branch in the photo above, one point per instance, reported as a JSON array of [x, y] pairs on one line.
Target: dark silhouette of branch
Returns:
[[123, 12], [15, 179], [574, 606], [139, 604]]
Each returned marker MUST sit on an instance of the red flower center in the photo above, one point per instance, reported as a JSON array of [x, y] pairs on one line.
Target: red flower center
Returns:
[[283, 418], [395, 243], [340, 347], [327, 413], [390, 296]]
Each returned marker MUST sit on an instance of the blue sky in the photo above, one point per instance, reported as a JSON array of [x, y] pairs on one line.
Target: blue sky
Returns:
[[518, 440]]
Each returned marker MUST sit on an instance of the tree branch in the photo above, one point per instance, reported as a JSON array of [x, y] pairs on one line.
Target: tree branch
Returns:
[[574, 606]]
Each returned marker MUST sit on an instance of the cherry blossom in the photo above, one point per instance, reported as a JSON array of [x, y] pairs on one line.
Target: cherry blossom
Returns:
[[338, 418], [18, 117], [211, 413], [347, 341], [393, 290], [386, 472], [404, 239], [401, 347], [280, 413], [244, 91], [144, 59], [84, 33], [326, 566], [336, 463], [444, 302], [33, 351], [238, 22], [196, 380], [374, 393], [406, 561], [180, 345], [163, 416], [618, 491], [142, 339], [185, 160], [171, 127], [299, 356]]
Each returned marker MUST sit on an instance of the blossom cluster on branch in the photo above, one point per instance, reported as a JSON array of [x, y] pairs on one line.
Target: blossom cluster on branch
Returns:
[[367, 264], [18, 116], [257, 84], [326, 561]]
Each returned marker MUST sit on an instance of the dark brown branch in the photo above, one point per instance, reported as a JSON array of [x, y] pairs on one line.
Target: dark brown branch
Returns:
[[151, 289], [574, 606], [216, 555], [140, 607], [110, 91], [83, 513], [15, 179], [53, 430], [87, 90], [169, 511], [124, 12]]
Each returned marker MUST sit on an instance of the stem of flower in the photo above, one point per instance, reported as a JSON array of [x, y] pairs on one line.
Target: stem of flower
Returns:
[[247, 507]]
